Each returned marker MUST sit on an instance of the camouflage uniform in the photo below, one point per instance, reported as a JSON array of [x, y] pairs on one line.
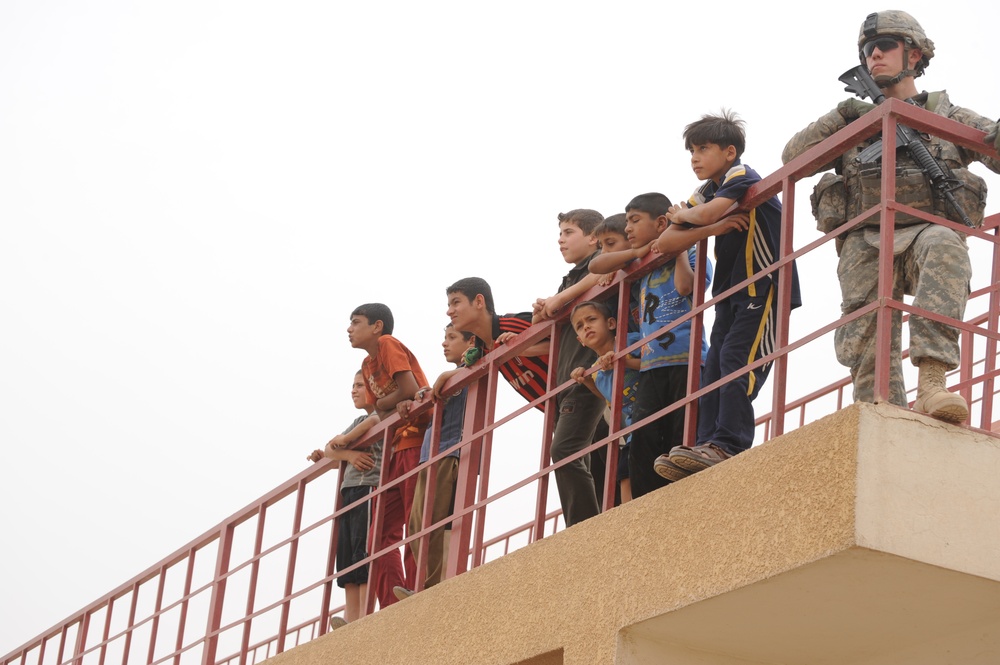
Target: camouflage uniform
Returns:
[[931, 261]]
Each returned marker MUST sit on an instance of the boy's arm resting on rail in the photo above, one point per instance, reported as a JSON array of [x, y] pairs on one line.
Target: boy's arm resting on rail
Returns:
[[613, 261]]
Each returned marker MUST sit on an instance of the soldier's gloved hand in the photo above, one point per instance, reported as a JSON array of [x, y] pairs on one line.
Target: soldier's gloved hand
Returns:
[[993, 137], [852, 108]]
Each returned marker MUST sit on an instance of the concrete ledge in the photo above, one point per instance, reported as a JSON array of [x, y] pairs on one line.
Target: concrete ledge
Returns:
[[870, 536]]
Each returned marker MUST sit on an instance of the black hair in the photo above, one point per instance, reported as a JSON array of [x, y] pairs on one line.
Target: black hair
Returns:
[[471, 287], [612, 224], [601, 307], [467, 336], [724, 130], [654, 203], [376, 311], [585, 218]]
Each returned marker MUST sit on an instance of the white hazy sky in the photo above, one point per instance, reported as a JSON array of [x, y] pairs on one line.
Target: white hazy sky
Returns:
[[194, 195]]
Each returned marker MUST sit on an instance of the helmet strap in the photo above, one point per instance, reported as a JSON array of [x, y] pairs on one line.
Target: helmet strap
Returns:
[[886, 83]]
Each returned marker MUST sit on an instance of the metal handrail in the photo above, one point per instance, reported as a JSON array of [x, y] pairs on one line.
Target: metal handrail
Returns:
[[300, 609]]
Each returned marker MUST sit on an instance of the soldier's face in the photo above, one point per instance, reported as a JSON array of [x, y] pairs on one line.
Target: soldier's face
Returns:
[[887, 62]]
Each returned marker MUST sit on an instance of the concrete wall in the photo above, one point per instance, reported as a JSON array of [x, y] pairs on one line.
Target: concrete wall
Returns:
[[871, 536]]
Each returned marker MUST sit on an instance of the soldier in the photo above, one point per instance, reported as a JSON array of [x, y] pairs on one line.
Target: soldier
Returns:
[[931, 261]]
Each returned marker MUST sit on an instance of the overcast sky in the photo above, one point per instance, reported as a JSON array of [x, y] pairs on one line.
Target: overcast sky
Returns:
[[195, 195]]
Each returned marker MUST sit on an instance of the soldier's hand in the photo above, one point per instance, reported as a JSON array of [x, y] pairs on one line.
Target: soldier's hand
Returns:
[[852, 108], [993, 137]]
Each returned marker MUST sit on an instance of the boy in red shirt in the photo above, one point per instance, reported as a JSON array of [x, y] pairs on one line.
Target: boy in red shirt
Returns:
[[392, 376]]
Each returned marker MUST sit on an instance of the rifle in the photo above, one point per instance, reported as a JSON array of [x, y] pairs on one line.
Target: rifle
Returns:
[[860, 82]]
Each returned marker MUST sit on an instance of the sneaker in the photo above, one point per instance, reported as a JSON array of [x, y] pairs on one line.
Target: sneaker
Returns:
[[337, 622], [669, 470], [402, 593], [699, 457]]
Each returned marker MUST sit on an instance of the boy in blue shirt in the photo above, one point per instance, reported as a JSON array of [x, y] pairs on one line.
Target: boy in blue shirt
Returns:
[[664, 296], [745, 245], [595, 327], [446, 470]]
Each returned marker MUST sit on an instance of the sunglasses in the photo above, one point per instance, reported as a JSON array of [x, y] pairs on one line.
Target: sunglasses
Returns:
[[884, 44]]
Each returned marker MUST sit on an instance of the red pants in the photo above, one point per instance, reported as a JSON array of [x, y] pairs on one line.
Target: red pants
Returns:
[[387, 571]]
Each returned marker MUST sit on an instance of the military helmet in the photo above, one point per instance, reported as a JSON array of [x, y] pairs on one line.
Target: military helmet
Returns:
[[897, 23]]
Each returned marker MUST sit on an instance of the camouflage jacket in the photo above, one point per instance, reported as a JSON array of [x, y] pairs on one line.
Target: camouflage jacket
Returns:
[[860, 184]]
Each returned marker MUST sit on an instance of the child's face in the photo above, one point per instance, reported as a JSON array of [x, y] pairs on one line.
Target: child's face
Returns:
[[641, 228], [361, 333], [454, 345], [611, 241], [574, 244], [463, 312], [710, 161], [358, 391], [593, 329]]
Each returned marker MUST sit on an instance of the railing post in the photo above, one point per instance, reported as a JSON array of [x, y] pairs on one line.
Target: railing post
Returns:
[[421, 547], [992, 324], [697, 334], [218, 598], [130, 625], [622, 318], [545, 454], [468, 474], [81, 639], [485, 447], [106, 632], [252, 590], [62, 644], [784, 309], [182, 619], [884, 333], [293, 551], [41, 653], [331, 558], [158, 605], [378, 517]]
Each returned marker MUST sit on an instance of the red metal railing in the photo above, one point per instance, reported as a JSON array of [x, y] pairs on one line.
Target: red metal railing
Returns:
[[263, 580]]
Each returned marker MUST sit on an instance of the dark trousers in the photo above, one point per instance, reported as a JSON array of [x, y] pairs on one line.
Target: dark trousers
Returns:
[[658, 388], [742, 333], [352, 536], [580, 411], [599, 465]]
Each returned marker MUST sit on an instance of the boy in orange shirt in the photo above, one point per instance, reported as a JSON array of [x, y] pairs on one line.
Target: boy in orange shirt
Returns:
[[392, 376]]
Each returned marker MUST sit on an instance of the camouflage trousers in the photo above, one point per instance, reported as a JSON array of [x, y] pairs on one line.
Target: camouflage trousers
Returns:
[[935, 270]]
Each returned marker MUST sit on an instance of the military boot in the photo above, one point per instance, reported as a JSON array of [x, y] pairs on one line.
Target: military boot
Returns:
[[933, 398]]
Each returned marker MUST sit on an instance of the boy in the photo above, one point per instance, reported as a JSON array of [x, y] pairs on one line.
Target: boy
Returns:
[[610, 234], [611, 237], [743, 331], [595, 328], [360, 476], [578, 410], [471, 310], [392, 374], [446, 470], [664, 295]]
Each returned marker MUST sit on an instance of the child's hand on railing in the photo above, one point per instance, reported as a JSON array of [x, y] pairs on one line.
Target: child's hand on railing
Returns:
[[606, 279], [505, 337]]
